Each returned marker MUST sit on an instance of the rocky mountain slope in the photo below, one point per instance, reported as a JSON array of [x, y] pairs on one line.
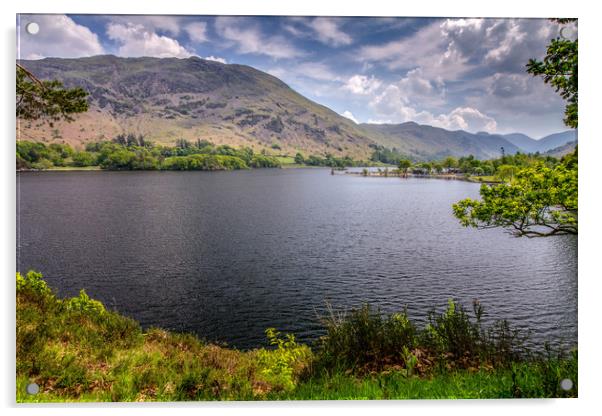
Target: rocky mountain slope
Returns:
[[167, 99]]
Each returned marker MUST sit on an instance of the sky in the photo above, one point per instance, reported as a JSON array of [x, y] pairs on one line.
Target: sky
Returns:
[[466, 74]]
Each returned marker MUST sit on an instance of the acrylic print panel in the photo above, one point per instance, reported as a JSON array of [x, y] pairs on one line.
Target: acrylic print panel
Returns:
[[295, 208]]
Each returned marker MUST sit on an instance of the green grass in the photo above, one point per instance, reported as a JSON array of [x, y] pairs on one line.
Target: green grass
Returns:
[[76, 350], [286, 160], [484, 178], [75, 168]]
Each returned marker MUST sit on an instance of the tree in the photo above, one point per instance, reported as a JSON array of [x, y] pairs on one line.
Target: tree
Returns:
[[299, 159], [450, 162], [540, 201], [559, 69], [404, 165], [47, 99]]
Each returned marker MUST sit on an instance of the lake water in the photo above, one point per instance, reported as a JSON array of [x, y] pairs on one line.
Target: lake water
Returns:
[[228, 254]]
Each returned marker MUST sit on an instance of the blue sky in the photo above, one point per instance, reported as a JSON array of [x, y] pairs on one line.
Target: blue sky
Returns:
[[453, 73]]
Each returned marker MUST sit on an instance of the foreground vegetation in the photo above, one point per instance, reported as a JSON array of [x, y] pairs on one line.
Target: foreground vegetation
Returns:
[[76, 350]]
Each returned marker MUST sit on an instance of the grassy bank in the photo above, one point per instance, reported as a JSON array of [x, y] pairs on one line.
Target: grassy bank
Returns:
[[77, 350]]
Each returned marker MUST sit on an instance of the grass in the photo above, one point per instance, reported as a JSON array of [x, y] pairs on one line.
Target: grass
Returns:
[[77, 350], [74, 168], [286, 160], [485, 179]]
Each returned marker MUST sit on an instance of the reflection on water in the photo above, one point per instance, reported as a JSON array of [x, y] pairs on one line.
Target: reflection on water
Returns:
[[228, 254]]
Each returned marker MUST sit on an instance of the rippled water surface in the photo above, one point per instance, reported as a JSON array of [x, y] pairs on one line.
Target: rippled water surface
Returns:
[[227, 254]]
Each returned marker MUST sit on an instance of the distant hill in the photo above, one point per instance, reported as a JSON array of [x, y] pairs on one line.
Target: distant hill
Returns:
[[429, 142], [530, 145], [563, 150], [167, 99]]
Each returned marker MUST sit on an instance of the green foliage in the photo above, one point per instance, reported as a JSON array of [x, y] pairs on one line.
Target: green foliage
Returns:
[[83, 303], [47, 99], [261, 161], [76, 350], [330, 161], [32, 282], [404, 165], [82, 159], [385, 155], [203, 162], [364, 340], [560, 69], [538, 201], [281, 366]]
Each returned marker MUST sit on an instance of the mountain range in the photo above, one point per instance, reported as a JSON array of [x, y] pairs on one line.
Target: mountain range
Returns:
[[167, 99]]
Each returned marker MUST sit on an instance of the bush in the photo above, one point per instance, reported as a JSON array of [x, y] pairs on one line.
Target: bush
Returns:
[[32, 282], [282, 366], [365, 340], [261, 161], [84, 158], [84, 304]]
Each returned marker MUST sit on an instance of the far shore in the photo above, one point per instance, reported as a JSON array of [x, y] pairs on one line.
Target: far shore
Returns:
[[370, 174]]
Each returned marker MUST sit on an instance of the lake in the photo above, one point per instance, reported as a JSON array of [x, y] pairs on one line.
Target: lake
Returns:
[[228, 254]]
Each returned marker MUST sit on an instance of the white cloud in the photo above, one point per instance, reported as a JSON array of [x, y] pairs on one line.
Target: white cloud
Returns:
[[216, 59], [197, 31], [327, 31], [466, 118], [136, 40], [361, 84], [59, 36], [425, 48], [349, 115], [250, 39], [171, 25], [393, 105]]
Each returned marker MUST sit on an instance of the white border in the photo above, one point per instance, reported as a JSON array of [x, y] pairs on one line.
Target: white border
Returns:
[[590, 149]]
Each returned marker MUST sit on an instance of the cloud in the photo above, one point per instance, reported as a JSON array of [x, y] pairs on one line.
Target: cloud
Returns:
[[197, 31], [136, 40], [392, 105], [424, 48], [327, 31], [466, 118], [59, 36], [216, 59], [349, 115], [361, 84], [508, 85], [171, 25], [249, 39]]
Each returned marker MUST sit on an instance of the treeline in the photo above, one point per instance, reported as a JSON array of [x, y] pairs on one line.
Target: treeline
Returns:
[[328, 161], [130, 152], [504, 166]]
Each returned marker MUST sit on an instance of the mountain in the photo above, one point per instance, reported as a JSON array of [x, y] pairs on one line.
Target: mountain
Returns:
[[522, 141], [429, 142], [530, 145], [556, 140], [166, 99], [560, 151]]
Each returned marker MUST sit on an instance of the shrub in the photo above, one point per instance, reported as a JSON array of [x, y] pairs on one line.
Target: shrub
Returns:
[[84, 304], [282, 366], [32, 282], [365, 340]]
